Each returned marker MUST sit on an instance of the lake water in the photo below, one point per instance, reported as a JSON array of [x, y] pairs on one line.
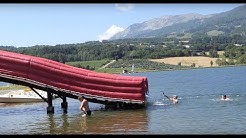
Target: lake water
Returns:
[[199, 111]]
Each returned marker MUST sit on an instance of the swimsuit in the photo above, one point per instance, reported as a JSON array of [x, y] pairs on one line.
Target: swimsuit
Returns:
[[88, 112]]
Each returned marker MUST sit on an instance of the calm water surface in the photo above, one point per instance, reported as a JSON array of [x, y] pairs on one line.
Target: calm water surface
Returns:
[[199, 111]]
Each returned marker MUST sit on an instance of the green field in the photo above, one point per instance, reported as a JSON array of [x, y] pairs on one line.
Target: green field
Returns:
[[100, 63], [214, 33], [184, 36], [95, 63]]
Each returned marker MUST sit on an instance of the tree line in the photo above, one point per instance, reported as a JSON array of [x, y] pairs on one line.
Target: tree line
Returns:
[[143, 48]]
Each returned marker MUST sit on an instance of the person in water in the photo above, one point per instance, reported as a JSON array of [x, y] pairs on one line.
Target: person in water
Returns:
[[224, 97], [174, 99], [84, 106]]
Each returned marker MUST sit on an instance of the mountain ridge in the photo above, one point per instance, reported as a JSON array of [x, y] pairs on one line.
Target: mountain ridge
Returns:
[[190, 23]]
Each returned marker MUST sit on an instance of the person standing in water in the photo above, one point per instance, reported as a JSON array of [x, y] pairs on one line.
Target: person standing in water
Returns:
[[84, 106], [174, 99]]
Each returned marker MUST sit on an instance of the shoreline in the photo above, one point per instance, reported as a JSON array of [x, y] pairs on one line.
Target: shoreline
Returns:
[[190, 68]]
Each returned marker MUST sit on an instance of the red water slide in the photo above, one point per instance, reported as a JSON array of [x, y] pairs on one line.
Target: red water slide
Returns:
[[73, 80]]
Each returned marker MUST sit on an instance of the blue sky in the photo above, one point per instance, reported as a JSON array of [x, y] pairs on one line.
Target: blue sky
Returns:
[[23, 25]]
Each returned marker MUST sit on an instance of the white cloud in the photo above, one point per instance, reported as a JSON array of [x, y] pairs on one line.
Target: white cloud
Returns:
[[110, 32], [124, 7]]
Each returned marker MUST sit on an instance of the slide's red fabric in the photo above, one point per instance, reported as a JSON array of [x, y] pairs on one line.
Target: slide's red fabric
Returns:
[[71, 78]]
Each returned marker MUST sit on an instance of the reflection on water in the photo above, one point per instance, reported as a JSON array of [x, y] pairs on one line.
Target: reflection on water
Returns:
[[58, 125], [101, 122]]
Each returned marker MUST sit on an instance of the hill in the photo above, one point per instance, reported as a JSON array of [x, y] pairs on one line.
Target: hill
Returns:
[[225, 23]]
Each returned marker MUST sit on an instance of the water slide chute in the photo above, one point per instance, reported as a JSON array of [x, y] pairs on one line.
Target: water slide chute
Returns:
[[76, 81]]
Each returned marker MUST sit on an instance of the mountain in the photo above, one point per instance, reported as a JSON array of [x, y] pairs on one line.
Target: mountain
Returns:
[[233, 21]]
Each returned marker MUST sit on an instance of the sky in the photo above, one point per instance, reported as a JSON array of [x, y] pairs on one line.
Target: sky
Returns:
[[23, 25]]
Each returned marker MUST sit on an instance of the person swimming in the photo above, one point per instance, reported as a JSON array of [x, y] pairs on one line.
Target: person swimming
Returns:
[[224, 97], [174, 99]]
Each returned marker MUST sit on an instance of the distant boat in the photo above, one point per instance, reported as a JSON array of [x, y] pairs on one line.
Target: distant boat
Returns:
[[22, 96]]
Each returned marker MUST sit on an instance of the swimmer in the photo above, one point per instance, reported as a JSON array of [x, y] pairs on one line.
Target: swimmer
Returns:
[[174, 99], [223, 97]]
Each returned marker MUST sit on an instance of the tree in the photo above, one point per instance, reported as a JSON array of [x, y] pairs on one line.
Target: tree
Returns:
[[242, 59]]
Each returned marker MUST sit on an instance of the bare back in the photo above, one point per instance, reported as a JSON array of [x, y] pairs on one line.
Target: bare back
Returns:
[[84, 105]]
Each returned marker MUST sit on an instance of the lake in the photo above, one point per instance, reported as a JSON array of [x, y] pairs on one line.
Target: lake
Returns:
[[199, 111]]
